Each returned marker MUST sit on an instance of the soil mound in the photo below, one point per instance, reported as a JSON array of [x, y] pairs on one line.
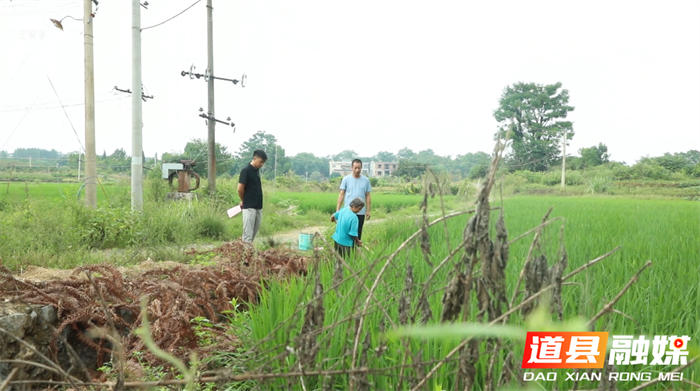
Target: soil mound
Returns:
[[174, 295]]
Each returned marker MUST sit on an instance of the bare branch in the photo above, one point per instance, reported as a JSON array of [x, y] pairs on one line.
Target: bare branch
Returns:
[[591, 263], [678, 369], [609, 307], [8, 379]]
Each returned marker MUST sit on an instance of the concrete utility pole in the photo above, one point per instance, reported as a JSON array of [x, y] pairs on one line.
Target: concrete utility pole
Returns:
[[563, 162], [211, 140], [90, 155], [136, 114]]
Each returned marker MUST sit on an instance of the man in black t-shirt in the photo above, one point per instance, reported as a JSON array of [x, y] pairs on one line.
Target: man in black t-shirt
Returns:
[[250, 192]]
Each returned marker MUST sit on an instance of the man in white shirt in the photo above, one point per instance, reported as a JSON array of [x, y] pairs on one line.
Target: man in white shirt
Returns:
[[354, 186]]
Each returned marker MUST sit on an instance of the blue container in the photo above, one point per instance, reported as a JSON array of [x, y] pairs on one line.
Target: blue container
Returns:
[[305, 241]]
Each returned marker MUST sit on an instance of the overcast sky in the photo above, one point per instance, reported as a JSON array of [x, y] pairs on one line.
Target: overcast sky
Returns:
[[324, 76]]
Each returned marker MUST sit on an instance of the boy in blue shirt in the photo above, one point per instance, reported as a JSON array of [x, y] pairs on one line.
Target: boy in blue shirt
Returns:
[[346, 236]]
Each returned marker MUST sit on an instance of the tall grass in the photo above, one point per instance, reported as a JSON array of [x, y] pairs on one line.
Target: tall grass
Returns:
[[664, 301], [326, 202]]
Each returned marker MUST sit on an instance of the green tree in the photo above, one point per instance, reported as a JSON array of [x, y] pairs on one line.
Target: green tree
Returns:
[[196, 149], [36, 153], [308, 162], [73, 159], [594, 156], [479, 171], [405, 154], [119, 161], [385, 156], [463, 164], [429, 157], [275, 154], [410, 169], [346, 155], [674, 163], [538, 113], [316, 176], [693, 156]]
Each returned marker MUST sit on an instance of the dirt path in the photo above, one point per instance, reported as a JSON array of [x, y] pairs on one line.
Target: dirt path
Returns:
[[290, 238]]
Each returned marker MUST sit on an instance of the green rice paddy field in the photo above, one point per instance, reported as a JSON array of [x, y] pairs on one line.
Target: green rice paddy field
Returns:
[[664, 301]]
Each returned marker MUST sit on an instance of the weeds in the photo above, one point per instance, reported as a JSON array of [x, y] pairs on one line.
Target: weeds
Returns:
[[598, 185]]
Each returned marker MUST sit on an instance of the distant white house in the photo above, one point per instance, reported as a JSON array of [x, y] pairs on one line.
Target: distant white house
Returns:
[[382, 169], [371, 169]]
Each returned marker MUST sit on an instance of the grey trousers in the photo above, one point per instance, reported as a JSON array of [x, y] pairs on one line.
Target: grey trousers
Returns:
[[251, 223]]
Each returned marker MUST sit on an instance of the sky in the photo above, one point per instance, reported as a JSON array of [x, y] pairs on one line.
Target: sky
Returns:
[[370, 76]]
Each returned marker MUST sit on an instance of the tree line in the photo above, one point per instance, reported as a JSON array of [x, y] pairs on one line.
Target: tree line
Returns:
[[533, 118]]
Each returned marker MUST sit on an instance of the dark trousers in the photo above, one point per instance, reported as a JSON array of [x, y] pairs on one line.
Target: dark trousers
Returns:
[[344, 251], [361, 222]]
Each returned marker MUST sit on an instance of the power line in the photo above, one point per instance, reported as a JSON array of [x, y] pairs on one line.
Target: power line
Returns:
[[22, 120], [64, 111], [22, 64], [50, 106], [168, 20]]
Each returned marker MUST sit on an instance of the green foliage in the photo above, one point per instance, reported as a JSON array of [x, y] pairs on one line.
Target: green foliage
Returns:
[[621, 172], [645, 169], [464, 164], [119, 161], [289, 181], [594, 156], [36, 153], [374, 181], [661, 231], [479, 171], [598, 185], [275, 155], [106, 227], [674, 163], [412, 189], [539, 113], [212, 224], [196, 149], [346, 155], [406, 154], [410, 169], [156, 186], [385, 156], [202, 328], [307, 163]]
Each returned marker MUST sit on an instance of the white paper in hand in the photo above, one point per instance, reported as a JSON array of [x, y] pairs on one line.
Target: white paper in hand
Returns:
[[234, 211]]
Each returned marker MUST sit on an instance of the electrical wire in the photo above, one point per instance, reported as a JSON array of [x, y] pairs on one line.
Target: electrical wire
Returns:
[[168, 20], [22, 64], [50, 106], [64, 111], [22, 120]]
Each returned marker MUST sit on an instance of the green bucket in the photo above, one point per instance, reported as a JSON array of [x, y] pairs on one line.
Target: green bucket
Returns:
[[305, 242]]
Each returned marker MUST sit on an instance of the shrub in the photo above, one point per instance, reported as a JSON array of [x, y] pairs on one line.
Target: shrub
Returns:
[[212, 224], [479, 171], [644, 170], [412, 189], [574, 178], [621, 172], [106, 227], [598, 185], [551, 178], [531, 177]]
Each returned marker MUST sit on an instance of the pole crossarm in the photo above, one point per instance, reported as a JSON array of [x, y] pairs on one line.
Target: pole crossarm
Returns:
[[207, 76], [143, 96]]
